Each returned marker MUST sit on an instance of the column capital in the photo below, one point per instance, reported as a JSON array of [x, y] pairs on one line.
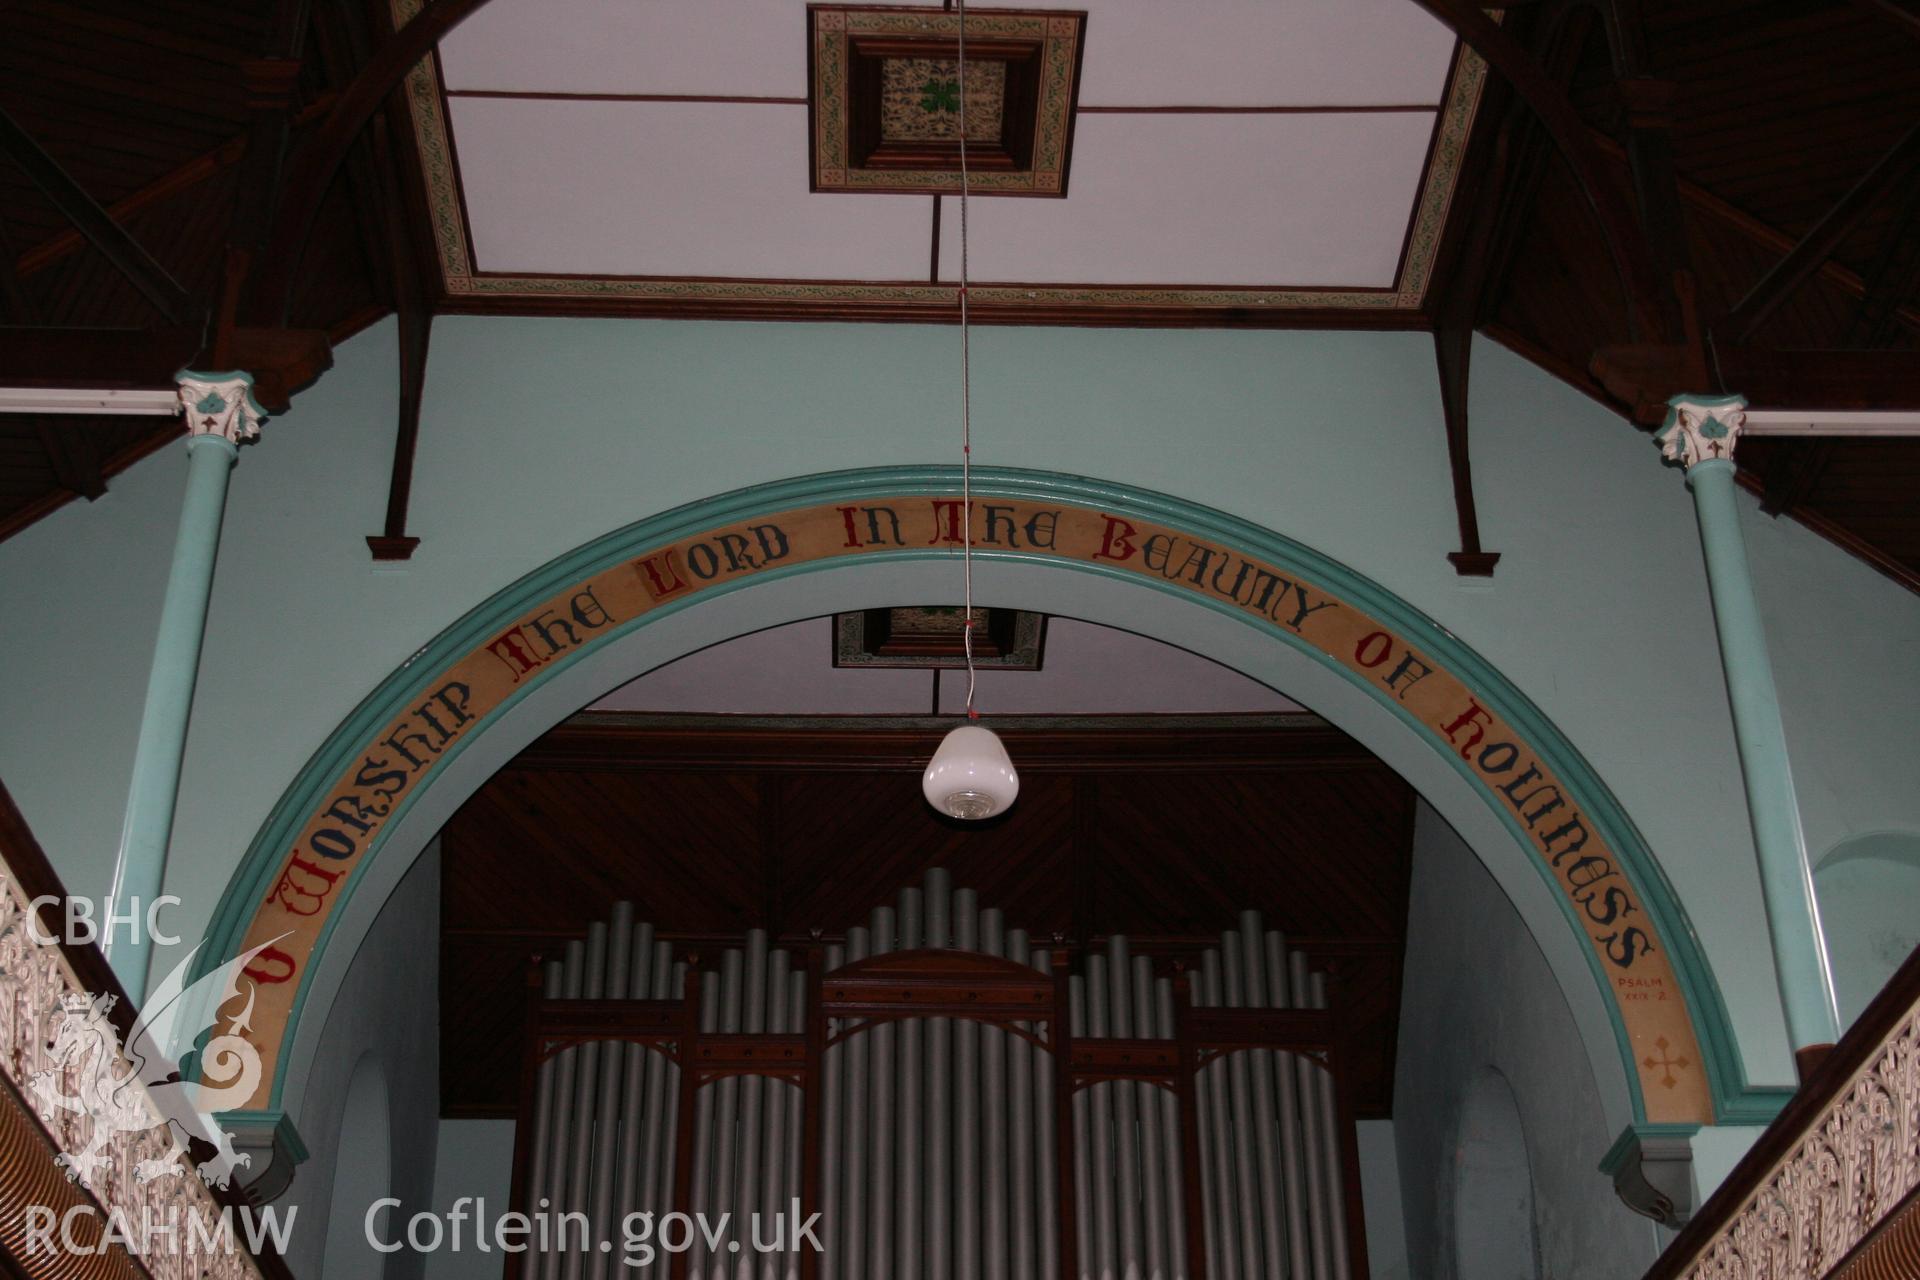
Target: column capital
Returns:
[[219, 404], [1701, 429]]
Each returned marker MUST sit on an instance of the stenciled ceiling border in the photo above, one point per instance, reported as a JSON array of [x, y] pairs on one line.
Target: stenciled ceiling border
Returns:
[[468, 288]]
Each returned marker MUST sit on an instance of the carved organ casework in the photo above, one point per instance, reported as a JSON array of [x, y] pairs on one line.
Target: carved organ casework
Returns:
[[955, 1100]]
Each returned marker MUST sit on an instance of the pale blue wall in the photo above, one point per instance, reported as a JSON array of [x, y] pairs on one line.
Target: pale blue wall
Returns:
[[387, 1019], [1869, 889], [540, 434], [1380, 1197], [476, 1160], [1480, 1017]]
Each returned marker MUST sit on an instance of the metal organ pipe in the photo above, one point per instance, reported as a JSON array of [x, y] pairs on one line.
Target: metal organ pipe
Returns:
[[938, 1137], [908, 1243], [1274, 950], [966, 1107], [939, 1116]]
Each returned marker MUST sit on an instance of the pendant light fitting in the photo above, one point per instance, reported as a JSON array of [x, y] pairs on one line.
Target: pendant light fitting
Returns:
[[971, 776]]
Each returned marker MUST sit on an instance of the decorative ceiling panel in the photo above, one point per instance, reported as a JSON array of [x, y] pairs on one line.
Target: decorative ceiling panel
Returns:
[[885, 101]]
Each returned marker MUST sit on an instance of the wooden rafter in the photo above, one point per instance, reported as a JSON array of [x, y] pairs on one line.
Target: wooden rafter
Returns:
[[1621, 231], [113, 241], [271, 80], [313, 167], [74, 456], [1648, 103], [1501, 168], [415, 327], [1818, 244], [1904, 12], [1641, 376], [172, 183], [1797, 466]]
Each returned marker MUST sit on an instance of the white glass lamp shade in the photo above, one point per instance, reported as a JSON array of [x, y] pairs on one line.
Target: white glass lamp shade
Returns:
[[971, 776]]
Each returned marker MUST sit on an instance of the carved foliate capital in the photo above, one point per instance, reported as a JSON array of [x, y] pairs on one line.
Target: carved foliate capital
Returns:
[[1701, 429], [220, 404]]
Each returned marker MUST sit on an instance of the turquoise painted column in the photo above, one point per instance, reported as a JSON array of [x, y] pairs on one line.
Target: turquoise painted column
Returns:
[[1700, 433], [220, 412]]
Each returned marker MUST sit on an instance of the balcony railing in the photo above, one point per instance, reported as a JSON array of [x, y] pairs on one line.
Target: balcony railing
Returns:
[[1829, 1190], [169, 1227]]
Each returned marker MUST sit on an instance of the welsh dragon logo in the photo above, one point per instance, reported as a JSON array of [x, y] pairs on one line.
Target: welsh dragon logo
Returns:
[[86, 1048]]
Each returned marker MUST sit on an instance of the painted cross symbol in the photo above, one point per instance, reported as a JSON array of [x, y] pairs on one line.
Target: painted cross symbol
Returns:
[[1669, 1064], [942, 95], [209, 423]]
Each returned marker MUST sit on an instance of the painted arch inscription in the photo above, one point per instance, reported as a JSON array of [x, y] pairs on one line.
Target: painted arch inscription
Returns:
[[458, 701]]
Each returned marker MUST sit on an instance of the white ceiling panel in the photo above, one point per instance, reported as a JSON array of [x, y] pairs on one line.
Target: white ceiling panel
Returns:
[[1089, 670], [1311, 53], [1208, 199], [651, 188], [734, 48], [1139, 52]]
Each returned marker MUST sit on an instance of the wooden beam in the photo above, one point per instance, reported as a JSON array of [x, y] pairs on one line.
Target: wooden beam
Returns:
[[1904, 12], [13, 291], [280, 360], [622, 741], [1796, 467], [1453, 351], [340, 52], [313, 167], [415, 329], [127, 255], [1618, 226], [1505, 153], [54, 357], [1819, 243], [1645, 376], [1647, 103], [1456, 315], [74, 455], [1892, 277], [1529, 149], [167, 185], [1792, 472], [271, 81]]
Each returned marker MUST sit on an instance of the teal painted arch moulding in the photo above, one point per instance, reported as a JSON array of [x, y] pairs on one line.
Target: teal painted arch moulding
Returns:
[[1735, 1099]]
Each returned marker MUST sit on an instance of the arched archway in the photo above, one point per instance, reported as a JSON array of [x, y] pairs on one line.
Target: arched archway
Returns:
[[1246, 596]]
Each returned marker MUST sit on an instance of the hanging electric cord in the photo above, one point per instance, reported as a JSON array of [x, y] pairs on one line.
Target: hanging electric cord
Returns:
[[970, 776], [966, 380]]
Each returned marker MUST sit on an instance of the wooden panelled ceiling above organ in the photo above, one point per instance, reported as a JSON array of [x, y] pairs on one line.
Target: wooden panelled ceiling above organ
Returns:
[[1162, 828]]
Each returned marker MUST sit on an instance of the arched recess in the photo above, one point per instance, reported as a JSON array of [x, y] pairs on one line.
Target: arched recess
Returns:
[[362, 1175], [1545, 825], [1866, 887], [1493, 1224]]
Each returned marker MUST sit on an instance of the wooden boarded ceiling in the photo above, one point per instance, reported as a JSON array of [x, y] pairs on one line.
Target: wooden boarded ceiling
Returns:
[[1163, 828]]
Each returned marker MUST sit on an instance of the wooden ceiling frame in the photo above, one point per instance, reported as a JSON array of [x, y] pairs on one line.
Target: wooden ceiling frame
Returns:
[[1398, 306], [1504, 161]]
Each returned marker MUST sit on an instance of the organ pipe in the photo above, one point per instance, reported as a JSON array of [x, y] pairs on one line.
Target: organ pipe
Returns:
[[936, 1151]]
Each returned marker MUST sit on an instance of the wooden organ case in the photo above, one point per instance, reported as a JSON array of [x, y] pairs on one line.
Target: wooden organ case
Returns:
[[956, 1102]]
